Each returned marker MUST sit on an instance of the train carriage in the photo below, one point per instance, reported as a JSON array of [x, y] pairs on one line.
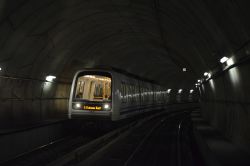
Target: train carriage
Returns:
[[113, 95]]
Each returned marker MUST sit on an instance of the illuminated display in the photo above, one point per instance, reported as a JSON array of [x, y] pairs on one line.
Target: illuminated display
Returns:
[[92, 107]]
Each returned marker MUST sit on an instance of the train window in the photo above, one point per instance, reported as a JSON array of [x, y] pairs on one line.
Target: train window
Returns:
[[93, 88], [128, 92], [98, 92], [123, 92], [132, 87], [80, 87]]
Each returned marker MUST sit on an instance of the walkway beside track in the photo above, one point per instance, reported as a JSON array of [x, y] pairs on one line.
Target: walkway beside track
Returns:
[[215, 148]]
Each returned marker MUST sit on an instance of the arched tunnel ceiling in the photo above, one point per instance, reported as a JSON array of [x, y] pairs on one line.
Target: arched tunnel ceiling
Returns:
[[151, 38]]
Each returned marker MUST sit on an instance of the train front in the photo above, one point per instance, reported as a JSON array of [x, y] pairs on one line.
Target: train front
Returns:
[[91, 95]]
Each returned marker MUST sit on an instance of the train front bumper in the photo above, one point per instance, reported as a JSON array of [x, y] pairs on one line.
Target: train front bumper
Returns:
[[82, 114]]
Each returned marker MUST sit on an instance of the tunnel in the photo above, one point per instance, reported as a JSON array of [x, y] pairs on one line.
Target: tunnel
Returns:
[[198, 50]]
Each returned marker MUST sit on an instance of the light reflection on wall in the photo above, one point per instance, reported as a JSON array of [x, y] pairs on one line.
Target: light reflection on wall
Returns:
[[202, 89], [47, 86], [234, 76], [211, 83]]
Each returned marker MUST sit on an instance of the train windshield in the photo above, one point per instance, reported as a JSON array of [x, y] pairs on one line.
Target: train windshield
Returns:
[[93, 88]]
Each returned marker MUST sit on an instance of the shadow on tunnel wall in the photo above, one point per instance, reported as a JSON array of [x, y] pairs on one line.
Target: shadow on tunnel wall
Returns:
[[26, 101], [226, 104], [25, 98]]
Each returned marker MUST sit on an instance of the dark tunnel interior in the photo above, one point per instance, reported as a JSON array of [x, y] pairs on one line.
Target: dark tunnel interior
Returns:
[[170, 42]]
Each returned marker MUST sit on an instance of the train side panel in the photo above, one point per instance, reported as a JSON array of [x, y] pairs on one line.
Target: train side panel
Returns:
[[129, 97], [116, 97], [147, 98]]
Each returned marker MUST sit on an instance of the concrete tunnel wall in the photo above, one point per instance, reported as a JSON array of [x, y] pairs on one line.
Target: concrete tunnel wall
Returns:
[[225, 104], [153, 39], [39, 38], [25, 102]]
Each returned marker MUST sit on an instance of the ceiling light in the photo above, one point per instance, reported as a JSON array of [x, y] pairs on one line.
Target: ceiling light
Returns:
[[89, 76], [0, 69], [169, 90], [206, 73], [224, 59], [50, 78], [191, 91], [198, 80], [180, 90], [184, 69]]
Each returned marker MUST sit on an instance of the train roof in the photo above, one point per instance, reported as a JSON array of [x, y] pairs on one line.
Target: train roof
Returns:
[[121, 71]]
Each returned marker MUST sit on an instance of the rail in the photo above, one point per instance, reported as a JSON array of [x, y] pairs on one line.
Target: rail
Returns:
[[85, 151], [179, 138]]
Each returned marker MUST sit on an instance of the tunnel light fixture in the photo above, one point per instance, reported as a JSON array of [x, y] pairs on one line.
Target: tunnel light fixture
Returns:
[[223, 59], [206, 74], [0, 69], [230, 62], [184, 69], [191, 91], [169, 90], [197, 84], [199, 81], [209, 75], [180, 90], [50, 78]]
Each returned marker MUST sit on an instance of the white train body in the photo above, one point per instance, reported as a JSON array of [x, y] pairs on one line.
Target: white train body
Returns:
[[112, 95]]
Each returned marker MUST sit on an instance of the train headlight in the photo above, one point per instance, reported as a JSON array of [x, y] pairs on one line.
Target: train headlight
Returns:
[[77, 105], [106, 106]]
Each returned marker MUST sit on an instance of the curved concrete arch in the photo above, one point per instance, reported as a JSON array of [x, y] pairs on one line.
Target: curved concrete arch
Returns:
[[154, 39]]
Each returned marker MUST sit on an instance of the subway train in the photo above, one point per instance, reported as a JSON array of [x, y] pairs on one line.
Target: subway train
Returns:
[[113, 95]]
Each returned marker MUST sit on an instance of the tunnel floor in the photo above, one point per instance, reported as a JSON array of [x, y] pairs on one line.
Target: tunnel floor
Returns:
[[215, 148], [182, 138], [157, 142]]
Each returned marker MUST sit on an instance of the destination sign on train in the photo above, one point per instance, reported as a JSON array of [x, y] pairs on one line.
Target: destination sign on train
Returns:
[[86, 107]]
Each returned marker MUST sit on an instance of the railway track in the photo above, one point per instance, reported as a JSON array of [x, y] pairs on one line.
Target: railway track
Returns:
[[158, 139], [49, 152], [94, 147]]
